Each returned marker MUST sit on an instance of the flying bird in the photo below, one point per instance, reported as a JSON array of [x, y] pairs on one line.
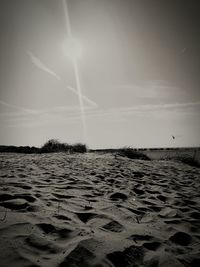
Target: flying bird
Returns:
[[177, 136]]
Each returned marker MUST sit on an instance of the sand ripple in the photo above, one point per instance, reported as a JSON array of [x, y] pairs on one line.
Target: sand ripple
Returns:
[[98, 210]]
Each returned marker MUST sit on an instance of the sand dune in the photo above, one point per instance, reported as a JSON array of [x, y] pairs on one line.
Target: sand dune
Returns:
[[98, 210]]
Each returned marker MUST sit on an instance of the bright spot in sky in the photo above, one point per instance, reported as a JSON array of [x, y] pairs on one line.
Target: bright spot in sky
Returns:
[[72, 48]]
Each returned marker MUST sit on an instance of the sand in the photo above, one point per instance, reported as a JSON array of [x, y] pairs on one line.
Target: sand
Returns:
[[98, 210]]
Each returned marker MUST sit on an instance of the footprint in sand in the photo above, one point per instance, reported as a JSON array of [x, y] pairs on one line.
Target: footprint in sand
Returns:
[[118, 196], [85, 217], [113, 226], [181, 238], [131, 256], [152, 245]]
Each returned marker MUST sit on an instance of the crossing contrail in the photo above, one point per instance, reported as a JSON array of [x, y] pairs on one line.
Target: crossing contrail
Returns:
[[89, 101], [76, 70], [39, 64]]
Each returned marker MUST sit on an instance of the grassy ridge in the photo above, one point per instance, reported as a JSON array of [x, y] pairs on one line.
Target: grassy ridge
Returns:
[[132, 153]]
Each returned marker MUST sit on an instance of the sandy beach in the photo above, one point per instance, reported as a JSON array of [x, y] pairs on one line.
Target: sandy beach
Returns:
[[98, 210]]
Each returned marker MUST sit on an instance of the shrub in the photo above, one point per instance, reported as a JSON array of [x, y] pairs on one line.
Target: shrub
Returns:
[[79, 148], [132, 154], [53, 145]]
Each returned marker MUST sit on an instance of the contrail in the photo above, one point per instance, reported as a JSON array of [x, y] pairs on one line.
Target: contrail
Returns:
[[36, 61], [76, 70], [39, 64], [89, 101], [80, 100]]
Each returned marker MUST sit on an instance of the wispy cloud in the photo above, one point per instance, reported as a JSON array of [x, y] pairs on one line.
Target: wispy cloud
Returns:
[[149, 107], [159, 89], [71, 114], [22, 116], [143, 109], [22, 109]]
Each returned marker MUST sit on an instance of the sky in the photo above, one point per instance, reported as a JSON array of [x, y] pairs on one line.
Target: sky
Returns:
[[110, 73]]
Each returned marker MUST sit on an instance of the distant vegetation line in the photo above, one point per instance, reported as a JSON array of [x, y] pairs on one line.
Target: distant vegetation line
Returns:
[[51, 146], [190, 156]]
